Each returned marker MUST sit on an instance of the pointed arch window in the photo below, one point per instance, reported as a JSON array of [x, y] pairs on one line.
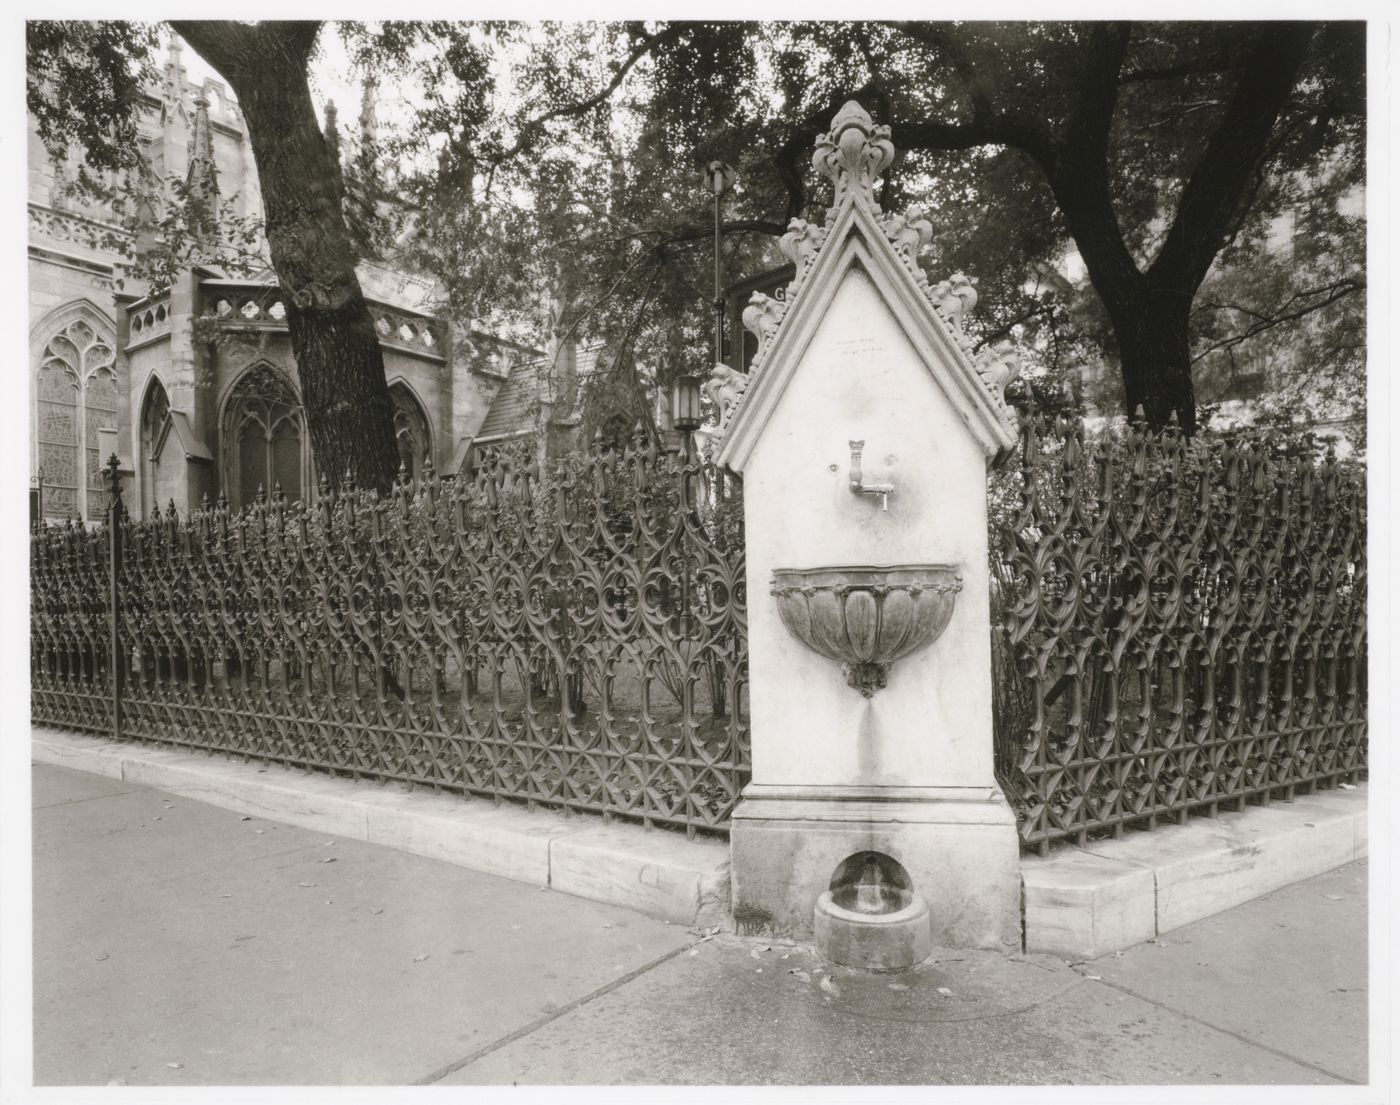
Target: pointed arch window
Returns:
[[155, 411], [264, 438], [411, 431], [75, 395]]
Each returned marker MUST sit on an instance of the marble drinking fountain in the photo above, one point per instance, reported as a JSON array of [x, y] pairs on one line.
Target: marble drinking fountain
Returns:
[[872, 821], [865, 618]]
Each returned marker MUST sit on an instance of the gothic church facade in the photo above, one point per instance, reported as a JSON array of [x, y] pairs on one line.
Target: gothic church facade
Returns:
[[194, 388]]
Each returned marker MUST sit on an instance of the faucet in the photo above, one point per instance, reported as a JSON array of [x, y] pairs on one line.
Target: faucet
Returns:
[[858, 484]]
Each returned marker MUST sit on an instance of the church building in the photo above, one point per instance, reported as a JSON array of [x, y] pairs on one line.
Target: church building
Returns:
[[194, 387]]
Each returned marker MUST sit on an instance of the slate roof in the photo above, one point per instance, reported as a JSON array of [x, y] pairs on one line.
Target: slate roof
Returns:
[[512, 410]]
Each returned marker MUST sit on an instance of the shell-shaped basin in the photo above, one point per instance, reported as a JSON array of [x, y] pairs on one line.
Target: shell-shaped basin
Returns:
[[866, 617]]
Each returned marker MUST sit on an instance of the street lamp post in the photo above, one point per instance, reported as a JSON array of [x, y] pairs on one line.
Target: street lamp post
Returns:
[[718, 179]]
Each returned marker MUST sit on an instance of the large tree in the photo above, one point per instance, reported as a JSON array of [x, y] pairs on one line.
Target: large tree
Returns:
[[1157, 152]]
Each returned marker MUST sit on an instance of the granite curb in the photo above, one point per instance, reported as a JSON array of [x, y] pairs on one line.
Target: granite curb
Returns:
[[1109, 895], [655, 871], [1078, 903]]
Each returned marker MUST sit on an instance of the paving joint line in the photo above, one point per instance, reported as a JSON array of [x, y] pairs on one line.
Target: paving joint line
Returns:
[[540, 1022], [1227, 1031], [136, 789]]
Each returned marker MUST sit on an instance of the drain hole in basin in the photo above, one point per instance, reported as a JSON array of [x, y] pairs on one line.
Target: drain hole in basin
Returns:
[[871, 882]]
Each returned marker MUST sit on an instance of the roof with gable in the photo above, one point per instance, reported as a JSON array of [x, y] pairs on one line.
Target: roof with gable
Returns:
[[854, 154], [513, 408]]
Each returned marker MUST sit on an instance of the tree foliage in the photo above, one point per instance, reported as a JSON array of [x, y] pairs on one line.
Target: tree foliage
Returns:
[[1159, 152]]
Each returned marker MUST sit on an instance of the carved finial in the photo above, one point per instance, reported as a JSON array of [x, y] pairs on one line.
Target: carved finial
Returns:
[[202, 177], [853, 155]]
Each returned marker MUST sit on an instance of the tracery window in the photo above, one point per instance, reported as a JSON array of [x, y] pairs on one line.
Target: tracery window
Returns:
[[75, 395], [154, 412], [263, 438], [411, 431]]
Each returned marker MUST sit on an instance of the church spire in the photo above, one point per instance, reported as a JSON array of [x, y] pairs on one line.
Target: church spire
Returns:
[[332, 135], [202, 179], [369, 121]]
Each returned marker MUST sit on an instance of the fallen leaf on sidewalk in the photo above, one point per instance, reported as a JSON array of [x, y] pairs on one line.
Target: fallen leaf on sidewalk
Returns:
[[945, 990], [419, 958]]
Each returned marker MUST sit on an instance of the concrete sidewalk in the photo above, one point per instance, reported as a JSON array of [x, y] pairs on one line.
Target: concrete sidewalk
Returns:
[[179, 943]]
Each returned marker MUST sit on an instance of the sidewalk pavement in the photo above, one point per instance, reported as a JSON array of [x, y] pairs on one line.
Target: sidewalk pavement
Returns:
[[176, 943]]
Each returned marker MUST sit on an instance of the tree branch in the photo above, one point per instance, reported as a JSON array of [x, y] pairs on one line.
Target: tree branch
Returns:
[[1231, 158], [532, 126], [1263, 323], [987, 126]]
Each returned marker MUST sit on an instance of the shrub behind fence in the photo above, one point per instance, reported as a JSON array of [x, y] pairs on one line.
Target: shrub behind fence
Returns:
[[1179, 626], [576, 641]]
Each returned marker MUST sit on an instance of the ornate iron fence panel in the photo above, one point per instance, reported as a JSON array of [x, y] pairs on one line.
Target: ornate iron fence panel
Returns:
[[1188, 628], [69, 628], [576, 639]]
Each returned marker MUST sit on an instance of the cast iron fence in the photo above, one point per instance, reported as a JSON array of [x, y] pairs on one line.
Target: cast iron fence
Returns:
[[576, 639], [1177, 625], [1174, 627]]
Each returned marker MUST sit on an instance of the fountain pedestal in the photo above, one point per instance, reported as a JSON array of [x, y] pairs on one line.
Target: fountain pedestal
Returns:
[[863, 434]]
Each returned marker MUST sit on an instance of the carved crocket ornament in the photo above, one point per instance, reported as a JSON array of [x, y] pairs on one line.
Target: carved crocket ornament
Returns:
[[724, 389]]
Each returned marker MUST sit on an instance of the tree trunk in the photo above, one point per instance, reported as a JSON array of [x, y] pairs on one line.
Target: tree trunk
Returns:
[[1153, 335], [346, 399]]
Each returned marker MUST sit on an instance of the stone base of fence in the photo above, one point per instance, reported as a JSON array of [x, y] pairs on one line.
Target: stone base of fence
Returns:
[[1086, 902], [657, 871]]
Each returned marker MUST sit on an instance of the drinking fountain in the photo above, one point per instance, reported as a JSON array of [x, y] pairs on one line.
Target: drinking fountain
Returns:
[[866, 617], [871, 918]]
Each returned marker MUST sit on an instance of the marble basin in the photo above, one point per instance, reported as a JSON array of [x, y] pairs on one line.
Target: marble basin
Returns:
[[865, 617]]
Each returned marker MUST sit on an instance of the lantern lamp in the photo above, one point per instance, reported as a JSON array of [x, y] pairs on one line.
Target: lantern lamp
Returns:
[[685, 404]]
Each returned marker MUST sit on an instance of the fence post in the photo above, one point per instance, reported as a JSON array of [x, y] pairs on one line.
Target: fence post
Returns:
[[115, 510]]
